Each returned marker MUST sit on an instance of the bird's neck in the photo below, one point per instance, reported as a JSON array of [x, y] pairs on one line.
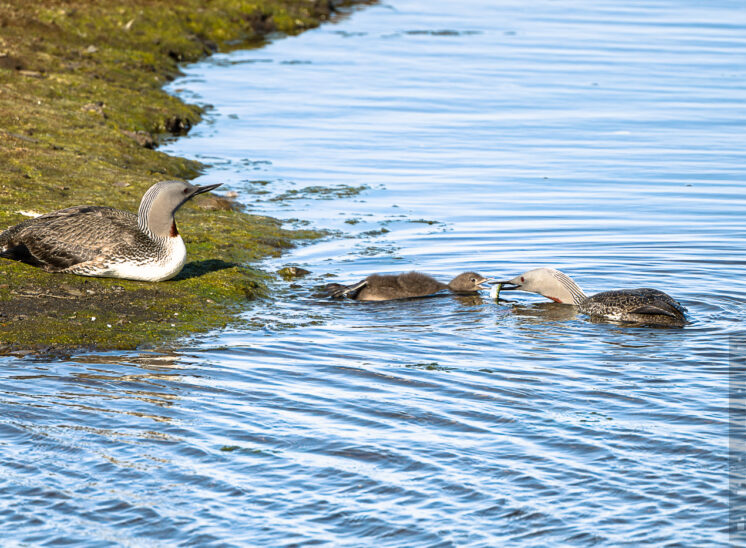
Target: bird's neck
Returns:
[[565, 290], [155, 221], [157, 225]]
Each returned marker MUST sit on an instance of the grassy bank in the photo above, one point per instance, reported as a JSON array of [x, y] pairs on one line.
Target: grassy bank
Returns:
[[81, 112]]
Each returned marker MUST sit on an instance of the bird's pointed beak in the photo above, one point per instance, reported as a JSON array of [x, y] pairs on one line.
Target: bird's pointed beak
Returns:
[[507, 286], [482, 281], [510, 285], [203, 189]]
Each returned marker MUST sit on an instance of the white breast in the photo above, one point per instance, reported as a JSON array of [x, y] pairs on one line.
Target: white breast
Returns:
[[154, 271]]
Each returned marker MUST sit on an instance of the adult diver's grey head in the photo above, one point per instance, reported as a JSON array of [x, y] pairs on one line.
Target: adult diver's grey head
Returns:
[[549, 282], [160, 202]]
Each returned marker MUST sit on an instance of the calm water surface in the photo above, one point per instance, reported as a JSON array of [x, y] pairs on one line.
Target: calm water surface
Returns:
[[603, 138]]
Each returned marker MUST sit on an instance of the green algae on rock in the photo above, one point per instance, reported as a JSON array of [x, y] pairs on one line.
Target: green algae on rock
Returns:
[[293, 272], [81, 110]]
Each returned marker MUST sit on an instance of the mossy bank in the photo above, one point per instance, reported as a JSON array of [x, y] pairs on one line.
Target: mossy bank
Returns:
[[81, 112]]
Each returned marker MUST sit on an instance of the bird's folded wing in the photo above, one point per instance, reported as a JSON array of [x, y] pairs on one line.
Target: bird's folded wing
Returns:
[[71, 236], [653, 309]]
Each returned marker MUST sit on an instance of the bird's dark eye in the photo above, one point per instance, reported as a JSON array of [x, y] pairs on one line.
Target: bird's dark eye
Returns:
[[186, 191], [473, 280]]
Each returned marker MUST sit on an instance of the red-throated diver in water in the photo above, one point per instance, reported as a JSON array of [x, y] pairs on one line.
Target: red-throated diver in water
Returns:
[[108, 242], [403, 286], [643, 305]]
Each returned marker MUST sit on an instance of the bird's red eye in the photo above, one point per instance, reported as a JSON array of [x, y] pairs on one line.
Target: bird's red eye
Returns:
[[186, 190], [523, 279]]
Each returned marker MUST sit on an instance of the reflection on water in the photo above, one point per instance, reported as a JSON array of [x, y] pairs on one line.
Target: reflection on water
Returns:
[[600, 138], [542, 314]]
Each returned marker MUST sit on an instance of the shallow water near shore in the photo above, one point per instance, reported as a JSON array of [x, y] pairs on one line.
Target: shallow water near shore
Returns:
[[602, 138]]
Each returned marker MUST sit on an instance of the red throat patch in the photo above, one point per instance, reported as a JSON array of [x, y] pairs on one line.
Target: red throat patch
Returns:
[[555, 299], [173, 232]]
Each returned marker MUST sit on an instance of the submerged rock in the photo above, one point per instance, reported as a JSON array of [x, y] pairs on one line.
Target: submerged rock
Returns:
[[292, 272]]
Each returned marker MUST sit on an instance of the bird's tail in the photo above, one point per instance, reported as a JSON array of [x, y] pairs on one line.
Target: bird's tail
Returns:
[[6, 237], [339, 291], [11, 247]]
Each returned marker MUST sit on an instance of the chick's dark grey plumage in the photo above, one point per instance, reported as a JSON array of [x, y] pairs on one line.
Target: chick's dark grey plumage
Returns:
[[378, 287], [103, 241]]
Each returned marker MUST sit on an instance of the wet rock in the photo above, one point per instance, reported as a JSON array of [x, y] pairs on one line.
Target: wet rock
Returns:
[[292, 272], [214, 202], [143, 138], [178, 126]]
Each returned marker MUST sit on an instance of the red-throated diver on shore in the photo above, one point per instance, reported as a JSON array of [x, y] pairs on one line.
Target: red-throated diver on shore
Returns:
[[642, 305], [107, 242], [387, 287]]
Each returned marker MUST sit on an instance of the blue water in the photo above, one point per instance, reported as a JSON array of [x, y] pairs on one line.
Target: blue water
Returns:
[[602, 138]]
